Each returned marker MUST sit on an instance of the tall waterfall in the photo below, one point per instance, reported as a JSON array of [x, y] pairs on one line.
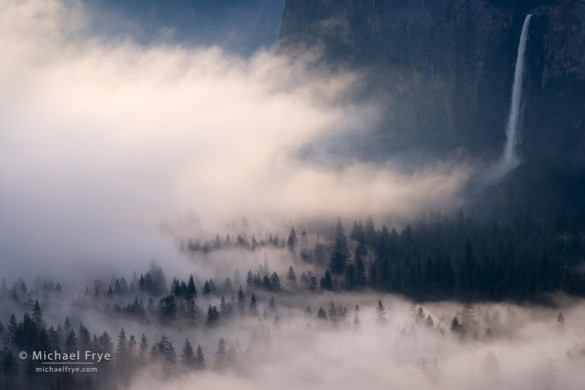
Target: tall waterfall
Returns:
[[510, 158]]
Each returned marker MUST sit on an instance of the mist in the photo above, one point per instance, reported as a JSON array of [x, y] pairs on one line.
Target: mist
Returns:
[[103, 140], [119, 154], [296, 351]]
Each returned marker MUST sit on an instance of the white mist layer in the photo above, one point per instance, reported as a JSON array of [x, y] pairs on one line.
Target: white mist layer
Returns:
[[101, 141], [300, 352]]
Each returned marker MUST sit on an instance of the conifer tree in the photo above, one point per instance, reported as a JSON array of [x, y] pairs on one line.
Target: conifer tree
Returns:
[[275, 282], [188, 358], [253, 308], [242, 301], [220, 355], [104, 344], [326, 283], [292, 240], [272, 306], [122, 350], [456, 328], [71, 342], [340, 252], [164, 351], [37, 314], [212, 316], [381, 311], [143, 350], [200, 359], [206, 288], [191, 290], [291, 277], [84, 337], [168, 307]]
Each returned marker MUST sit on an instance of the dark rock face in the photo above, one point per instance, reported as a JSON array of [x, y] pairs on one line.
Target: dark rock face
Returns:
[[445, 69], [554, 124]]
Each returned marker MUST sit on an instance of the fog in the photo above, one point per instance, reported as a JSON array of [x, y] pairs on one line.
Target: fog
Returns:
[[300, 352], [102, 140], [287, 348]]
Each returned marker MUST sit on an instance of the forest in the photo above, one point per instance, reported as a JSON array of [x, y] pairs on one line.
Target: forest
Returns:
[[476, 265]]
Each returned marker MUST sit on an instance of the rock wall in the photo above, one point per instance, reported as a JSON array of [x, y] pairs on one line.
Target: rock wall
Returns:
[[445, 68]]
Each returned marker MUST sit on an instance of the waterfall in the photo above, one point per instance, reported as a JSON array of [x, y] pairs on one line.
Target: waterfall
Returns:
[[510, 158]]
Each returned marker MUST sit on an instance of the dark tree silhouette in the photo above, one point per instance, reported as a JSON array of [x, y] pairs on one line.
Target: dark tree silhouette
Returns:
[[340, 252]]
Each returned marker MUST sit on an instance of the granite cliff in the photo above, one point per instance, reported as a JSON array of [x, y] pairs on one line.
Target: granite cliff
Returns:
[[446, 69]]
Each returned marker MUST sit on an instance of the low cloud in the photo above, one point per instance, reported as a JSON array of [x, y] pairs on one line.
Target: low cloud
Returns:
[[300, 352], [102, 140]]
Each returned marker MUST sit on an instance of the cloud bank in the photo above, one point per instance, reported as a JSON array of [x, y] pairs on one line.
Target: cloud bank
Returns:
[[527, 352], [100, 140]]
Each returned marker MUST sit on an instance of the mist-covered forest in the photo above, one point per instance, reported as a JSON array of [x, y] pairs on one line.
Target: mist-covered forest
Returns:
[[439, 288], [292, 194]]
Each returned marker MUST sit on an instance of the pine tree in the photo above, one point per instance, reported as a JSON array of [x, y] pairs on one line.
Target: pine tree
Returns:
[[370, 232], [340, 252], [132, 350], [168, 307], [54, 339], [9, 369], [200, 359], [143, 350], [191, 309], [272, 306], [275, 282], [242, 301], [381, 311], [332, 312], [11, 332], [84, 337], [220, 355], [357, 233], [429, 323], [159, 283], [188, 358], [175, 287], [249, 280], [37, 314], [360, 267], [326, 283], [456, 328], [206, 288], [164, 351], [228, 287], [212, 317], [223, 306], [291, 277], [104, 344], [122, 350], [350, 277], [292, 240], [420, 315], [71, 342], [191, 290], [253, 308]]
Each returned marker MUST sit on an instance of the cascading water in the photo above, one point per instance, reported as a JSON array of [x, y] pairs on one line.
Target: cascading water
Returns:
[[509, 158]]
